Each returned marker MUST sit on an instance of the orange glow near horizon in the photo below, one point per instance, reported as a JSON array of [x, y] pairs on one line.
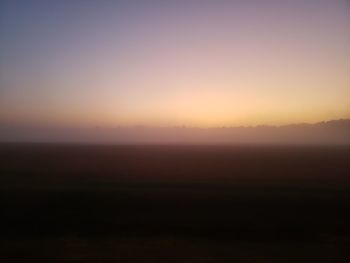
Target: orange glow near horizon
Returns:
[[201, 65]]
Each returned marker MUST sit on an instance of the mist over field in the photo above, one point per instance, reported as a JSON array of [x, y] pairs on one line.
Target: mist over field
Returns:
[[331, 132]]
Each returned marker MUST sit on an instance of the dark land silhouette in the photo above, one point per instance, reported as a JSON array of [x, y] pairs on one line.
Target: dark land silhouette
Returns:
[[174, 203]]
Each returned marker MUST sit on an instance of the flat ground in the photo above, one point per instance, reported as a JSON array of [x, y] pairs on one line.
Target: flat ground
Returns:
[[81, 203]]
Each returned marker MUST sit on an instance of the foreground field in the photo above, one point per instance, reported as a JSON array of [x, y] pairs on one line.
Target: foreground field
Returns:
[[69, 203]]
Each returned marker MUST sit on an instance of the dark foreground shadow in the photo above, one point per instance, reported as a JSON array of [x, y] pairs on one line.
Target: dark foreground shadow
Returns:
[[174, 204]]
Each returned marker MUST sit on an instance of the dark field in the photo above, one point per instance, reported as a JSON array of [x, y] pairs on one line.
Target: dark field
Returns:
[[70, 203]]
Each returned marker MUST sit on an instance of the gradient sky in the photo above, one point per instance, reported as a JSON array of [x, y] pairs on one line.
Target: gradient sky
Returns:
[[197, 63]]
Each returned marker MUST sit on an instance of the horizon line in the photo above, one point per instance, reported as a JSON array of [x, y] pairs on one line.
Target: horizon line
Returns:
[[148, 126]]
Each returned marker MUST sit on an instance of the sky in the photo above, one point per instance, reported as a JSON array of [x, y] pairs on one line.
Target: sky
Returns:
[[170, 63]]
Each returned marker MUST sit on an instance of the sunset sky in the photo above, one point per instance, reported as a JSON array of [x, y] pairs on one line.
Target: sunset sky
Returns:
[[194, 63]]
